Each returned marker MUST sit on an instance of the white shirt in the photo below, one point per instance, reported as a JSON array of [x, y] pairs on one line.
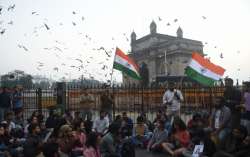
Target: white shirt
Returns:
[[217, 119], [100, 125], [169, 97]]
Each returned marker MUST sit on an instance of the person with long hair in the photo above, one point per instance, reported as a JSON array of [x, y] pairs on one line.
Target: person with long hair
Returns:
[[179, 139], [79, 136], [65, 140], [92, 145]]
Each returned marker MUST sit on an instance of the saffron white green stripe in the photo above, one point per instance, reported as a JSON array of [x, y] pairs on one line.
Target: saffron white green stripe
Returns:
[[204, 71], [125, 63], [199, 77]]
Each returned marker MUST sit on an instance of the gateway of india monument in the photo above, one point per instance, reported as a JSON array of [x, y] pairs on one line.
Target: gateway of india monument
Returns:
[[162, 57]]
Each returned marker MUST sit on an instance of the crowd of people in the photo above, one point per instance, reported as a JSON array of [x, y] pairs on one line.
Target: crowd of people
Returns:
[[225, 132]]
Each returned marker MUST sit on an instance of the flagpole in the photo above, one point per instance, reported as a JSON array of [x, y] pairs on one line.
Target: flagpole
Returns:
[[111, 77]]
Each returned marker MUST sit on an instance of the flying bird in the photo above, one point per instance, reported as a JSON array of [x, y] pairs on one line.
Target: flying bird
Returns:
[[73, 23], [11, 7], [56, 69], [175, 20], [107, 54], [56, 48], [73, 12], [79, 60], [83, 18], [221, 56], [215, 47], [2, 31], [23, 47], [101, 48], [10, 23], [46, 26], [159, 18], [204, 17]]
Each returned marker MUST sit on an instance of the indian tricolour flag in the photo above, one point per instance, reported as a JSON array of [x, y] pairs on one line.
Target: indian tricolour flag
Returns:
[[125, 64], [203, 71]]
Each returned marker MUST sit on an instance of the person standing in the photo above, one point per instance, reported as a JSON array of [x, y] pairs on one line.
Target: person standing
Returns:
[[5, 103], [107, 104], [233, 99], [172, 98], [17, 101], [86, 102]]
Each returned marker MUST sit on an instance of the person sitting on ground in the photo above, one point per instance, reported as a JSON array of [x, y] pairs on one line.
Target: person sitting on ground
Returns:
[[159, 136], [51, 120], [51, 149], [236, 145], [39, 116], [159, 114], [167, 120], [101, 123], [92, 145], [118, 119], [9, 120], [140, 136], [127, 125], [65, 140], [149, 124], [109, 141], [32, 120], [68, 117], [220, 121], [4, 140], [195, 124], [80, 137], [32, 146], [179, 139], [77, 117], [88, 126]]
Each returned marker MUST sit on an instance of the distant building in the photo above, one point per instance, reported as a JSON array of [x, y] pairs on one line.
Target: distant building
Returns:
[[164, 55]]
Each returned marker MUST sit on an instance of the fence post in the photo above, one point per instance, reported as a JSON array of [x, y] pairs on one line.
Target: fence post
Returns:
[[61, 95], [142, 102], [39, 99]]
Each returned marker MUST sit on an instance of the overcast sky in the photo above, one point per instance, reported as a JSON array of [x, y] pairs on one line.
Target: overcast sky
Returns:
[[108, 23]]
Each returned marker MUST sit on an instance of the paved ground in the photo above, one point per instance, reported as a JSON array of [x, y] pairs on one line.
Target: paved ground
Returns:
[[144, 153]]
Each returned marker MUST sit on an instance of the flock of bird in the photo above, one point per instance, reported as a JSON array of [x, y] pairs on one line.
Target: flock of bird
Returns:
[[59, 47]]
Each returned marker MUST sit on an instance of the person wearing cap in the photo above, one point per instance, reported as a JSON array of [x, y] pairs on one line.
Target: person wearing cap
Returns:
[[233, 99], [172, 98]]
